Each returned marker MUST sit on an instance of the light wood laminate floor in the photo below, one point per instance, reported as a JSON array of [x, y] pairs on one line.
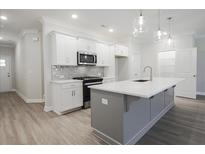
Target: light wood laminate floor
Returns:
[[22, 123]]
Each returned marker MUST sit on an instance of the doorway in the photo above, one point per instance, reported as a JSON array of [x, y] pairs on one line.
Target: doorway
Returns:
[[181, 63], [5, 73]]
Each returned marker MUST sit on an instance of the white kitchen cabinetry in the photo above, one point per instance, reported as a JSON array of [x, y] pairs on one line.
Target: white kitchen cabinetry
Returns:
[[121, 51], [67, 96], [103, 54], [64, 49], [86, 45]]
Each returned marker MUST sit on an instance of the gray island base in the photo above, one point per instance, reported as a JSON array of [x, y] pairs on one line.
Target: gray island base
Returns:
[[123, 119]]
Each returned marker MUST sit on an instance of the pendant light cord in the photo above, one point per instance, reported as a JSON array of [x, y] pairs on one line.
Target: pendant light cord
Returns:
[[169, 19], [159, 28]]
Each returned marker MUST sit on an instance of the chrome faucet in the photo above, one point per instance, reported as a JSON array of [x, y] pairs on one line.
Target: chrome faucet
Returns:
[[150, 71]]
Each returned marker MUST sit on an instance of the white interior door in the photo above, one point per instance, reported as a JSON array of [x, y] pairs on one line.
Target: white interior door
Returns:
[[186, 67], [5, 73]]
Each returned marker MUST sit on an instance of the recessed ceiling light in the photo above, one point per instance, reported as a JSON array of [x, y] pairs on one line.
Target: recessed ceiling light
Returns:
[[74, 16], [1, 38], [111, 30], [164, 33], [3, 17]]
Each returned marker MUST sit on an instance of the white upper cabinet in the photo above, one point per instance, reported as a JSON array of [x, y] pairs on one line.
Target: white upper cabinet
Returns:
[[103, 57], [86, 45], [121, 51], [64, 49]]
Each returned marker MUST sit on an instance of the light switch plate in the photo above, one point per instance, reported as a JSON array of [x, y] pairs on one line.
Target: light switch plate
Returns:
[[104, 101]]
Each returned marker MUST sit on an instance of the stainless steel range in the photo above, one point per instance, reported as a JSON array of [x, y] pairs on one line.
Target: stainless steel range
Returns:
[[88, 81]]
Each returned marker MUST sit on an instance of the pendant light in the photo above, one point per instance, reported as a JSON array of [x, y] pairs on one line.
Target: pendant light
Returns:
[[141, 22], [170, 40], [139, 25], [159, 32]]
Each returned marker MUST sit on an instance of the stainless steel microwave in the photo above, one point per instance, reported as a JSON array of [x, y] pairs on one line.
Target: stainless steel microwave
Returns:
[[86, 58]]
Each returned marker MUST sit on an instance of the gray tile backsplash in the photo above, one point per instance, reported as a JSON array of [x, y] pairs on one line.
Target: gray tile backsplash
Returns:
[[68, 72]]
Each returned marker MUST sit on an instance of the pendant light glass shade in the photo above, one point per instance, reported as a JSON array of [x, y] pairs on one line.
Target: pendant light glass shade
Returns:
[[170, 38], [139, 25], [159, 34]]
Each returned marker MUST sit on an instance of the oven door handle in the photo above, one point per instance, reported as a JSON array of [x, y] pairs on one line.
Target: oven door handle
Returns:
[[93, 83]]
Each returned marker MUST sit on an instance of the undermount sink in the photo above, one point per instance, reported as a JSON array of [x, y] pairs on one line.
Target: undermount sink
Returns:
[[141, 80]]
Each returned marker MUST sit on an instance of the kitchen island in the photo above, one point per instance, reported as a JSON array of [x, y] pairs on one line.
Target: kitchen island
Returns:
[[122, 112]]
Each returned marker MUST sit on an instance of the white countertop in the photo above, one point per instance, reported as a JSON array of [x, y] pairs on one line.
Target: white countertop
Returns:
[[109, 77], [140, 89], [65, 81]]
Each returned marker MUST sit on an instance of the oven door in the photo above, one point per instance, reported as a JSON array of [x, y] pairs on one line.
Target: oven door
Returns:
[[86, 90], [86, 59]]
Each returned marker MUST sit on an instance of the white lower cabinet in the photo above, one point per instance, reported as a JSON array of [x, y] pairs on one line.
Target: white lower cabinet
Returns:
[[67, 97]]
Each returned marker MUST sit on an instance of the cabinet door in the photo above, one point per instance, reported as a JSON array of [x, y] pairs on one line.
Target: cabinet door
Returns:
[[169, 96], [69, 50], [106, 55], [99, 51], [66, 98], [124, 51], [58, 49], [117, 50], [63, 50], [103, 57], [77, 99], [86, 45], [121, 50], [157, 104]]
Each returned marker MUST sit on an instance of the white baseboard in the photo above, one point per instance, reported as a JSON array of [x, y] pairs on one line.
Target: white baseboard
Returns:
[[35, 101], [27, 100], [201, 93], [21, 95], [48, 108]]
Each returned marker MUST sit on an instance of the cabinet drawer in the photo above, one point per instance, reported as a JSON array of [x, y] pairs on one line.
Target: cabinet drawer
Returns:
[[71, 85]]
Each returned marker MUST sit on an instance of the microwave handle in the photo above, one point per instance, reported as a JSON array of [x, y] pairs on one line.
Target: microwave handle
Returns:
[[96, 59]]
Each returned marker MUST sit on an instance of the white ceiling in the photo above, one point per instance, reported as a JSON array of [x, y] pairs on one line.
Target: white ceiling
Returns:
[[184, 21]]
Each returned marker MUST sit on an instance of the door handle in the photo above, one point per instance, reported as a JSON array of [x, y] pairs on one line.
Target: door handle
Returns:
[[194, 76], [8, 74]]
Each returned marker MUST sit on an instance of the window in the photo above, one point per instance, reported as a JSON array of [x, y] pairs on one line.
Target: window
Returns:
[[167, 63], [2, 62], [167, 58]]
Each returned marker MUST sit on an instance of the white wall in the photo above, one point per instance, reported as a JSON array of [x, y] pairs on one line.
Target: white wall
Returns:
[[10, 51], [200, 44], [29, 68], [150, 50]]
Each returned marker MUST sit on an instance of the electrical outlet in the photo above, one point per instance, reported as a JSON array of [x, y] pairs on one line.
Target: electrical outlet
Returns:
[[104, 101]]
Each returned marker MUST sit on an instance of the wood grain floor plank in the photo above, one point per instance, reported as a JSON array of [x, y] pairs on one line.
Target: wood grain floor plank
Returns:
[[22, 123]]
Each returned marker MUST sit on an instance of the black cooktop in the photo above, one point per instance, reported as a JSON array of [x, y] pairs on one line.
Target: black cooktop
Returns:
[[87, 78]]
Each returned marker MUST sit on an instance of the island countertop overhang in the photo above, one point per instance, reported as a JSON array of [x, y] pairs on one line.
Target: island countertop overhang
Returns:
[[139, 89]]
